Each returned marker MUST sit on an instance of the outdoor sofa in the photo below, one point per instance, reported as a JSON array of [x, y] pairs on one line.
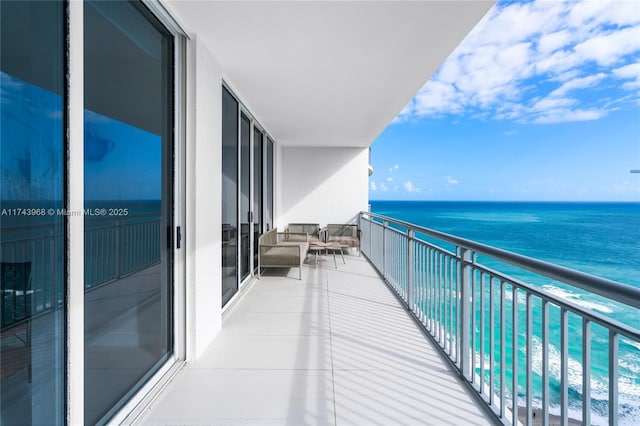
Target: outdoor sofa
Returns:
[[311, 229], [282, 250]]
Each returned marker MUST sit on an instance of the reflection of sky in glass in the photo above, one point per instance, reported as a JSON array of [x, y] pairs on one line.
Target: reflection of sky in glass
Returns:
[[122, 162], [30, 147]]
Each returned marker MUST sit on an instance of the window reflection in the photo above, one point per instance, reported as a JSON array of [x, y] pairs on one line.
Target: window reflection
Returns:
[[31, 223], [269, 195], [229, 196], [245, 193], [127, 180], [257, 192]]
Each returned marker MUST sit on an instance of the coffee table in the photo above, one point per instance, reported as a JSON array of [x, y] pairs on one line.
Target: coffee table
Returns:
[[317, 247], [337, 246]]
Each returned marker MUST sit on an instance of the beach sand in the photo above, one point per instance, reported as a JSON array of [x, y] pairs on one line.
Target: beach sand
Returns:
[[537, 418]]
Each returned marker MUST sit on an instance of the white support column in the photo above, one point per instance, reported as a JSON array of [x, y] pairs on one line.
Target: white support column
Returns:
[[75, 225]]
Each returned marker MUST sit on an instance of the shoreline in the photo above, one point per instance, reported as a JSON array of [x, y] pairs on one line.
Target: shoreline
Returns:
[[554, 420]]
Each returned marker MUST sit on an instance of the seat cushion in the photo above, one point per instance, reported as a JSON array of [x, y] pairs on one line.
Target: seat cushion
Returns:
[[350, 241], [284, 256]]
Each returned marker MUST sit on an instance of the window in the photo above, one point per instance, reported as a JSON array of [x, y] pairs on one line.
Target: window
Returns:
[[32, 170], [257, 191], [269, 177], [229, 196], [128, 178], [247, 192]]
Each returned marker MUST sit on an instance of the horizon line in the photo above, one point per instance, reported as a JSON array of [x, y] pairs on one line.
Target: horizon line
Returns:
[[516, 201]]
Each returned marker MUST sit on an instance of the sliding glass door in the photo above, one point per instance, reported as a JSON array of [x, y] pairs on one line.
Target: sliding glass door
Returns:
[[247, 192], [32, 239], [268, 208], [245, 195], [258, 141], [129, 172], [229, 195], [128, 197]]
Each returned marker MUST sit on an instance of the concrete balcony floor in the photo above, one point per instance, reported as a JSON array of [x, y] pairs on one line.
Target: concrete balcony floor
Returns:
[[336, 348]]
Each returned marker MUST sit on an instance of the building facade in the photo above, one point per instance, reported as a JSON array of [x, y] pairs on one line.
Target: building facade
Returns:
[[146, 146]]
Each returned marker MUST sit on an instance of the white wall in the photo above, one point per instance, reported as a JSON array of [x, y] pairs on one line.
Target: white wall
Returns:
[[203, 228], [321, 185]]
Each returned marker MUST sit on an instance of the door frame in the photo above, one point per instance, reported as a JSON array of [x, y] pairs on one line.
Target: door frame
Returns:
[[74, 194]]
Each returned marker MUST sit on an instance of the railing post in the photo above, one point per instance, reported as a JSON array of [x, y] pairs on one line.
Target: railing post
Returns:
[[118, 253], [410, 284], [464, 318], [385, 224], [370, 253]]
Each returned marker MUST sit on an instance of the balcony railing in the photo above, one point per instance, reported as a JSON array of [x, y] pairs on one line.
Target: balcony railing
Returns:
[[114, 248], [510, 339]]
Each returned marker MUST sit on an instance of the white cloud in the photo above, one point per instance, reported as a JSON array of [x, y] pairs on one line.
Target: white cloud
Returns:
[[628, 71], [437, 98], [566, 115], [549, 43], [389, 179], [405, 114], [551, 103], [589, 14], [452, 181], [383, 187], [578, 83], [608, 49], [374, 187], [631, 72], [408, 186], [523, 57]]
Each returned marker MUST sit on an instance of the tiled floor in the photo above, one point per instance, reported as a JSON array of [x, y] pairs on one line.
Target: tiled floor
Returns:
[[336, 348]]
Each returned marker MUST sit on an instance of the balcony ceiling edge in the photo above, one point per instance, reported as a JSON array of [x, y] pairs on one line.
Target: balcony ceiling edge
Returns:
[[324, 73]]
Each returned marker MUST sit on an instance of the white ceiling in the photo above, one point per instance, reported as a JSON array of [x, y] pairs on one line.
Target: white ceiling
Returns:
[[328, 73]]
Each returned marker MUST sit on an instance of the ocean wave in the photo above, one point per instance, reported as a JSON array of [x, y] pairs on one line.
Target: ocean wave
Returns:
[[577, 299], [574, 373], [628, 385], [631, 362], [633, 343], [493, 217]]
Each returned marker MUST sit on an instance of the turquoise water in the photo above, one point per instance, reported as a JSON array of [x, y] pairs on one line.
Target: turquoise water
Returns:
[[598, 238]]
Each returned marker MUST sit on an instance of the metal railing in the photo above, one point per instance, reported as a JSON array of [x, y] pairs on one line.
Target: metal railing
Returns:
[[118, 247], [114, 248], [509, 339]]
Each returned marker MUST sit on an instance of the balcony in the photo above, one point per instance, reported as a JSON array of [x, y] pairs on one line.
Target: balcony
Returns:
[[336, 348], [346, 346]]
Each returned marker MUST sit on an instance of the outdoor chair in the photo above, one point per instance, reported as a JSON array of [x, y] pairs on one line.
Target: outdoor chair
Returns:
[[311, 229], [347, 234]]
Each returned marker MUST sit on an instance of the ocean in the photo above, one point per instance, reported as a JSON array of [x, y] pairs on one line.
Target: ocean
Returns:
[[602, 239]]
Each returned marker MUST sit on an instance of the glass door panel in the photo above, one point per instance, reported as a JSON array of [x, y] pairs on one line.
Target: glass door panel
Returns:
[[269, 194], [245, 194], [128, 163], [229, 196], [257, 192], [32, 239]]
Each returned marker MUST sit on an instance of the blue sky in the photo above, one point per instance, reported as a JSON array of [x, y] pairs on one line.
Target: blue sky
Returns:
[[541, 101], [122, 162]]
